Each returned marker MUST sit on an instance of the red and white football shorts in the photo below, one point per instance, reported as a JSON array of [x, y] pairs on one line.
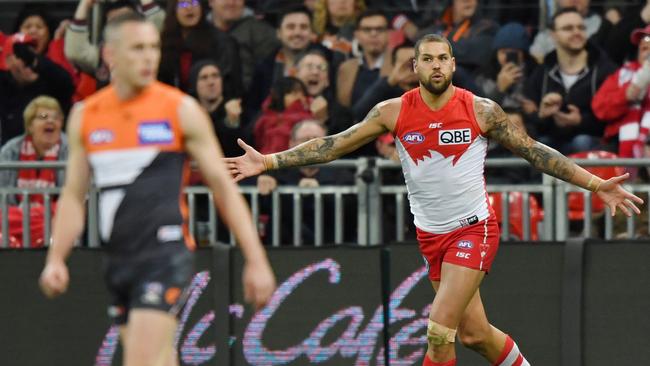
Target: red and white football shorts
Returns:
[[473, 246]]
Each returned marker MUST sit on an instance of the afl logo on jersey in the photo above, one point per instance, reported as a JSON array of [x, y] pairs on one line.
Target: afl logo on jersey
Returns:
[[413, 138], [101, 136], [454, 137], [155, 132]]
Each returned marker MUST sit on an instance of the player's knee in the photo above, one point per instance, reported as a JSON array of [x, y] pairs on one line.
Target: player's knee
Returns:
[[439, 335], [473, 337]]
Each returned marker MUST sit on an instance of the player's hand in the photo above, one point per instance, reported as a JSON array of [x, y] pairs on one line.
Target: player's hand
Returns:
[[247, 165], [611, 192], [259, 283], [54, 279]]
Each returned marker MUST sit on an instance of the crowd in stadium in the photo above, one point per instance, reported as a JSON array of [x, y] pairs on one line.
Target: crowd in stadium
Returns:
[[276, 73]]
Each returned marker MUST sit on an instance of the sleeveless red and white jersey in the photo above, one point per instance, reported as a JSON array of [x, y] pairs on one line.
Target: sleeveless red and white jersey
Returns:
[[443, 155]]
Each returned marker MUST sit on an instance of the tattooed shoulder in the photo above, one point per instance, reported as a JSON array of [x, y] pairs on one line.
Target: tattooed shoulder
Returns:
[[489, 113]]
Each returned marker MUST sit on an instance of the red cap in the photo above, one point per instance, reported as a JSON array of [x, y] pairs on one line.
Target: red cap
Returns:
[[639, 33], [15, 38]]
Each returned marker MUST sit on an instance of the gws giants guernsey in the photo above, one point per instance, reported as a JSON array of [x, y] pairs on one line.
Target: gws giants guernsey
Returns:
[[443, 155], [137, 154]]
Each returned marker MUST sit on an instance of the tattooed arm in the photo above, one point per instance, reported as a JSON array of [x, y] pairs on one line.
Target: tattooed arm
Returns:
[[380, 119], [494, 122]]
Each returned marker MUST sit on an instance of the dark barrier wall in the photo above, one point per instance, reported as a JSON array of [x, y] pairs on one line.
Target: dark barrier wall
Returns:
[[328, 309], [616, 297]]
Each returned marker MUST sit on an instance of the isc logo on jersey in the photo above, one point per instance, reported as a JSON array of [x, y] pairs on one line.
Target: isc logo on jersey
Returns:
[[455, 137], [413, 138], [158, 132]]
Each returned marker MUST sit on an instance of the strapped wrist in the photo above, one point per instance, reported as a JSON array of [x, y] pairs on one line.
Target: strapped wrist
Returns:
[[270, 162], [594, 186]]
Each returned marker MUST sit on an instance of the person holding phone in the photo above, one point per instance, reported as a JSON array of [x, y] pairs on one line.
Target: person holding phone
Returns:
[[502, 77], [563, 86]]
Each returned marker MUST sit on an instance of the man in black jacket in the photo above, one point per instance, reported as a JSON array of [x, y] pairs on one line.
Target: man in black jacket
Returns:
[[564, 85], [28, 75]]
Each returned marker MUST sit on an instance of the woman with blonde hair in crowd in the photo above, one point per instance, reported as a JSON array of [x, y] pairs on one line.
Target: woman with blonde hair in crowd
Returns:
[[42, 141]]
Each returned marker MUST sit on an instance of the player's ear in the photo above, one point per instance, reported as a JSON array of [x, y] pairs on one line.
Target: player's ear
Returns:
[[108, 55], [453, 64]]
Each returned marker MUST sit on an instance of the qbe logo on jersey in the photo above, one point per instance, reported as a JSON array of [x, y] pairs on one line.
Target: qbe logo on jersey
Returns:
[[155, 132], [459, 136]]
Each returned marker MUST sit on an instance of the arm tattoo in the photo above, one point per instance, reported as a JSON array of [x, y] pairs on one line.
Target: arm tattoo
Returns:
[[513, 137], [323, 149]]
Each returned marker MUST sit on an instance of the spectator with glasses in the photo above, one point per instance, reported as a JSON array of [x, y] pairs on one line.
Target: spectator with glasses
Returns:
[[42, 141], [312, 68]]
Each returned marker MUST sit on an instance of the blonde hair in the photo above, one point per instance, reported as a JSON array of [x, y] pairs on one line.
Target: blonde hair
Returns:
[[321, 15], [42, 101]]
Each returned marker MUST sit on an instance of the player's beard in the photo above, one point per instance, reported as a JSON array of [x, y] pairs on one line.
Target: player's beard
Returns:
[[436, 89]]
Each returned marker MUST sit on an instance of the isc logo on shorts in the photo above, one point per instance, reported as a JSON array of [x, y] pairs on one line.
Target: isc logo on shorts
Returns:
[[413, 138], [454, 137], [155, 132]]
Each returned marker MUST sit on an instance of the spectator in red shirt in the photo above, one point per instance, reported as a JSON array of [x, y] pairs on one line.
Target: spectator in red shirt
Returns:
[[623, 102]]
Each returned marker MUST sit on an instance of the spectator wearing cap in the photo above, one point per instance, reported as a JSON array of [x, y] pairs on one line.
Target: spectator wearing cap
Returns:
[[623, 101], [596, 28], [28, 75], [256, 38], [563, 86], [502, 77]]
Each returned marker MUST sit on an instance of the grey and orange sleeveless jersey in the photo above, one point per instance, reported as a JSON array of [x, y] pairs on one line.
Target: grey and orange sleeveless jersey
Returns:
[[136, 152]]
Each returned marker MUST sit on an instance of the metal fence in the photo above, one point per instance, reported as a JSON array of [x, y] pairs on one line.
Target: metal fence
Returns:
[[363, 205]]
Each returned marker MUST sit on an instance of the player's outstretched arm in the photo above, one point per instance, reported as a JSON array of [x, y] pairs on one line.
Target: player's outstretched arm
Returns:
[[496, 125], [318, 150], [201, 143], [70, 212]]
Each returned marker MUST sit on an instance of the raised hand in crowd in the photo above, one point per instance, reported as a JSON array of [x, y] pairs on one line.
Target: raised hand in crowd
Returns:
[[550, 104], [233, 112], [318, 108], [570, 118], [509, 74], [59, 33]]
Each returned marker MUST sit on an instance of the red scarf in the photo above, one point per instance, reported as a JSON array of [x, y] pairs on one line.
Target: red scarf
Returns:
[[36, 178]]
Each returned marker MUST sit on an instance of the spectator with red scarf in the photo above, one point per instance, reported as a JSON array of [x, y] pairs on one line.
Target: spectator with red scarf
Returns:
[[623, 101], [42, 141]]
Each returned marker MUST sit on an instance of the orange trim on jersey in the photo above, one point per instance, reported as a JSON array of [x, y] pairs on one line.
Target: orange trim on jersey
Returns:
[[189, 238], [151, 119]]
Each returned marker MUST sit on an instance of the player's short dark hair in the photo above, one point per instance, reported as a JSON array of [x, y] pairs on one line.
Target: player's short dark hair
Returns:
[[431, 37], [119, 20], [301, 9], [370, 13], [562, 11]]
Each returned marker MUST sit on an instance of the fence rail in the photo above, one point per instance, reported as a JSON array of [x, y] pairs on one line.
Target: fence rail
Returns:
[[370, 213]]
